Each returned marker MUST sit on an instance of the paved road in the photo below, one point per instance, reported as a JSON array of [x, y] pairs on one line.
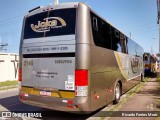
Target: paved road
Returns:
[[9, 102], [144, 100]]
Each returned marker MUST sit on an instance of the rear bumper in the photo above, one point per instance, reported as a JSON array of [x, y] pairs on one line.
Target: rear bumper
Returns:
[[77, 104]]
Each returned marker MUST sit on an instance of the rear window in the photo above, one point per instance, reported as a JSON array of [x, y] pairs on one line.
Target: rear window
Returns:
[[51, 23], [145, 56]]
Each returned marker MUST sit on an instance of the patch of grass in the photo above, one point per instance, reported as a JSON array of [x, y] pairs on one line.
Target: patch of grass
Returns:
[[8, 83], [158, 101], [158, 105], [7, 88], [158, 79]]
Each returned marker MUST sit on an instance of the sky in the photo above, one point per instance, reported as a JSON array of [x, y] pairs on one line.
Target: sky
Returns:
[[135, 18]]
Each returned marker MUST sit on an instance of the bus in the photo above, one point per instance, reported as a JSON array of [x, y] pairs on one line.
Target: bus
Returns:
[[150, 63], [71, 59]]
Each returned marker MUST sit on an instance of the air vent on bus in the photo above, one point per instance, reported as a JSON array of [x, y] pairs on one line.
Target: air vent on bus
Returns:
[[34, 9]]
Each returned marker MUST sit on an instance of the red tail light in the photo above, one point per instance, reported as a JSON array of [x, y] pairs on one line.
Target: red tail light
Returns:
[[20, 75], [81, 77], [81, 82]]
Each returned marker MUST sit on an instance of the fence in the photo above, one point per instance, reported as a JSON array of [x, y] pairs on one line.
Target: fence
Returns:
[[8, 66]]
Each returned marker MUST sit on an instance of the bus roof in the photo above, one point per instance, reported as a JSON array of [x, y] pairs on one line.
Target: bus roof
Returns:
[[40, 9], [67, 5]]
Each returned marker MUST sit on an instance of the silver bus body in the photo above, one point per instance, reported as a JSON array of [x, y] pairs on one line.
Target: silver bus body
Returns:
[[69, 72]]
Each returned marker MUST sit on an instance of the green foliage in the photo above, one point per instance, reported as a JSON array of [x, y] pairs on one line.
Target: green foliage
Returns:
[[158, 54], [158, 78], [8, 83]]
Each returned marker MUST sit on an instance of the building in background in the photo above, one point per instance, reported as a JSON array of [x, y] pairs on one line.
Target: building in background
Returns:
[[8, 66]]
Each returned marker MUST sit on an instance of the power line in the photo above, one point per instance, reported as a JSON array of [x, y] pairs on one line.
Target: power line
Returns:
[[153, 30], [3, 45], [8, 19], [9, 24], [139, 26], [144, 27], [14, 20], [141, 29]]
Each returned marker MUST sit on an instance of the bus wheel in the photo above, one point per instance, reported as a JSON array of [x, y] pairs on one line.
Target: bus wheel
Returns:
[[117, 93]]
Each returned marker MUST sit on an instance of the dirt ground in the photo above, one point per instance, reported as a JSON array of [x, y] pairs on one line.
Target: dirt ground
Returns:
[[146, 101]]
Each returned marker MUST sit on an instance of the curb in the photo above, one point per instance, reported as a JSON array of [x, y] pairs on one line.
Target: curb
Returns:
[[8, 87]]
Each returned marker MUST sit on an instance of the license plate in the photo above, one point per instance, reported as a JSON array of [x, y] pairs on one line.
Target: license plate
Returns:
[[45, 93]]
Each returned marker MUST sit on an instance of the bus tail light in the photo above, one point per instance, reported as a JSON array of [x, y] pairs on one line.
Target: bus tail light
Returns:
[[20, 75], [81, 82], [23, 96]]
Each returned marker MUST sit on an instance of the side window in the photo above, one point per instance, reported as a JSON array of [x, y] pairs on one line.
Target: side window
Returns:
[[131, 47], [124, 42], [139, 51], [119, 41], [101, 32], [95, 24], [115, 36], [106, 35]]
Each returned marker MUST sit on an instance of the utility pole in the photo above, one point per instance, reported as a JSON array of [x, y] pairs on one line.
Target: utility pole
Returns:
[[130, 34], [56, 1], [2, 46], [151, 50], [158, 21]]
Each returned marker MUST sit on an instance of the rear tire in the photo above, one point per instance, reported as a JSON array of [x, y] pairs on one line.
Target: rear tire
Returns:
[[117, 91]]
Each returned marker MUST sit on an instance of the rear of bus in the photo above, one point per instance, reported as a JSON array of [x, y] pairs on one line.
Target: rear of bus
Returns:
[[50, 74]]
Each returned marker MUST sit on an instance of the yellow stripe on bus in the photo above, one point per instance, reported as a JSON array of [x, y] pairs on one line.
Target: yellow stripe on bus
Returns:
[[120, 65], [63, 94]]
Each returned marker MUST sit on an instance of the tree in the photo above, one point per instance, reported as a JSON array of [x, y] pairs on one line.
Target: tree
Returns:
[[158, 54]]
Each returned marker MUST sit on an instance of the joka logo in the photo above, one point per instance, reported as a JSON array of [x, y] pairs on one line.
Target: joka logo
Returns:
[[48, 23], [135, 65]]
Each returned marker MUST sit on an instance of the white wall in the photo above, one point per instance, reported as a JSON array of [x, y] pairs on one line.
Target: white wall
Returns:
[[8, 66]]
